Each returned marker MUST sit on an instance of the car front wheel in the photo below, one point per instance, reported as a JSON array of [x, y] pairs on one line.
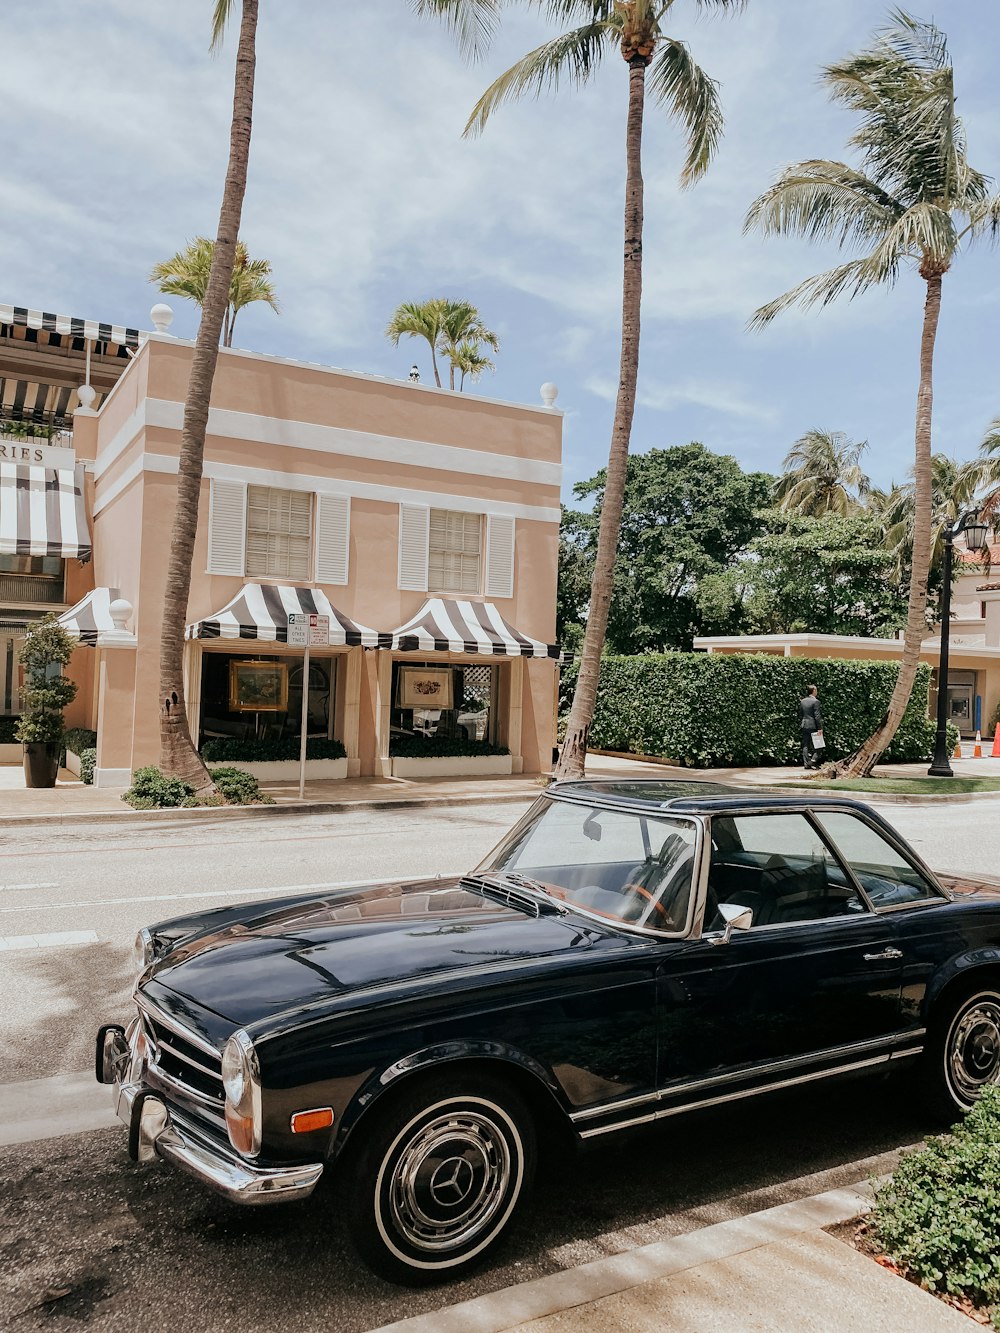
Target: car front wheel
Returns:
[[438, 1176], [964, 1052]]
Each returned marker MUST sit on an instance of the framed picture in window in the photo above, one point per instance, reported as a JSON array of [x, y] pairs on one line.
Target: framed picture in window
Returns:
[[425, 687], [258, 687]]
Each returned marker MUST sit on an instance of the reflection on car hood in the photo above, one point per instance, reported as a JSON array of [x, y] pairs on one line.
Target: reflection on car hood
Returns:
[[282, 956], [967, 886]]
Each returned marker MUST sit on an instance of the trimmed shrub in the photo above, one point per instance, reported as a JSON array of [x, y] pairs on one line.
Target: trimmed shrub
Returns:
[[708, 710], [440, 747], [239, 788], [937, 1215], [8, 733], [153, 790], [88, 760], [221, 748]]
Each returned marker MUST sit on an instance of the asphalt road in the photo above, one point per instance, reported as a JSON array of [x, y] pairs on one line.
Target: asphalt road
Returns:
[[87, 1237]]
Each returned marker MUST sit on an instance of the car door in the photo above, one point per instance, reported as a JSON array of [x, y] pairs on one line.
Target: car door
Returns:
[[813, 986]]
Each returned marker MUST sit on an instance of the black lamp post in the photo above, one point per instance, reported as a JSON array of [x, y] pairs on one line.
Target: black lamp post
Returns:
[[975, 539]]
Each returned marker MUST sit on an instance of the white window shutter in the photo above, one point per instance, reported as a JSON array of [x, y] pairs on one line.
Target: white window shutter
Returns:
[[414, 533], [333, 538], [499, 556], [227, 527]]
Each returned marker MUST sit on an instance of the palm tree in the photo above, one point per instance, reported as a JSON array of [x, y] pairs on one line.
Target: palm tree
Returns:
[[953, 489], [186, 274], [634, 29], [461, 324], [912, 204], [177, 752], [468, 359], [986, 470], [823, 475], [418, 319]]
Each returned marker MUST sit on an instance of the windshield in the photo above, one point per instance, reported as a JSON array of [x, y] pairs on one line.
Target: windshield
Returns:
[[617, 864]]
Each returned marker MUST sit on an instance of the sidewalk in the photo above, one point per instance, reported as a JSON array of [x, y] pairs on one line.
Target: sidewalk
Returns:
[[70, 800], [776, 1271]]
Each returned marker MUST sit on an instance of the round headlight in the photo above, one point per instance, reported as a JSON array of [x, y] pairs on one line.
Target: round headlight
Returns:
[[142, 950], [235, 1072]]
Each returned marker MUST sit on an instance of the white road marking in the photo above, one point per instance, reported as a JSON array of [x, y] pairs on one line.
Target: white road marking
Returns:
[[19, 888], [276, 891], [55, 939]]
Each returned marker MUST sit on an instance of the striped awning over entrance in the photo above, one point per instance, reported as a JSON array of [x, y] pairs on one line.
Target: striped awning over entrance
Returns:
[[261, 611], [42, 512], [443, 625], [91, 617]]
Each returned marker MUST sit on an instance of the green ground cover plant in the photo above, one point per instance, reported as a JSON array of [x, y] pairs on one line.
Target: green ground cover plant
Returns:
[[440, 747], [938, 1216], [903, 786], [153, 790], [250, 751], [718, 710]]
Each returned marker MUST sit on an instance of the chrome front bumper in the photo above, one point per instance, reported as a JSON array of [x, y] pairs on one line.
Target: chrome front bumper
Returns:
[[156, 1130]]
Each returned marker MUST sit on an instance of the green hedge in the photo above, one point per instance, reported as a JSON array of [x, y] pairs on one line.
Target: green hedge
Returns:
[[230, 748], [440, 747], [79, 739], [708, 710], [7, 725], [153, 790], [88, 761]]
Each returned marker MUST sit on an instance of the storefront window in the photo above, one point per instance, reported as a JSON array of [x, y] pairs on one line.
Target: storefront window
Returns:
[[441, 706], [259, 698]]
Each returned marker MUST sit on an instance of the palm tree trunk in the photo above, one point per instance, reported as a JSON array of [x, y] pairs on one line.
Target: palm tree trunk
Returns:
[[573, 753], [434, 363], [177, 752], [227, 327], [864, 759]]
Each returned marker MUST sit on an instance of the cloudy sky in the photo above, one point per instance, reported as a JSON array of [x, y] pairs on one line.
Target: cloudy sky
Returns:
[[363, 193]]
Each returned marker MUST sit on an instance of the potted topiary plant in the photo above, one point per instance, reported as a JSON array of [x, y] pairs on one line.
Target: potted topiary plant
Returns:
[[46, 650]]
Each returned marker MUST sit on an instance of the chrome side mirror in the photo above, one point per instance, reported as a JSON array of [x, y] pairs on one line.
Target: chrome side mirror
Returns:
[[736, 917]]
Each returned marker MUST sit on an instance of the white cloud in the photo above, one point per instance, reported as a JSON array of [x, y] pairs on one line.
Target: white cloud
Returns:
[[716, 397]]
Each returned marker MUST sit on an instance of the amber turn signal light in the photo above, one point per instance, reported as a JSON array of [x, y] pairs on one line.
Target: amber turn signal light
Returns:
[[305, 1121]]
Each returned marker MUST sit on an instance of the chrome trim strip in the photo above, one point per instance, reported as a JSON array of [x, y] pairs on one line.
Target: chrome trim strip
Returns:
[[752, 1071], [734, 1096], [212, 1107], [158, 1016], [912, 1050]]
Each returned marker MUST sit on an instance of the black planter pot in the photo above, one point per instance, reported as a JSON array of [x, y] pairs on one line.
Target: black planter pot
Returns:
[[41, 763]]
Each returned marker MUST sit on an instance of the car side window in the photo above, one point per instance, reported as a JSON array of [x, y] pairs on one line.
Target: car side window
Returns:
[[779, 867], [884, 874]]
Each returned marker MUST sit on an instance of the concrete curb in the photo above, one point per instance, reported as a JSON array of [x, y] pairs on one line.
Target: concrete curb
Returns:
[[257, 811], [507, 1309]]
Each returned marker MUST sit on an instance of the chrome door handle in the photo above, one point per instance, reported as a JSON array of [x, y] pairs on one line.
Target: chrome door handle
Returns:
[[884, 956]]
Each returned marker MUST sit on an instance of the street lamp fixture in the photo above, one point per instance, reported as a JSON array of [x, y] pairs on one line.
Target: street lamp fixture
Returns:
[[975, 532]]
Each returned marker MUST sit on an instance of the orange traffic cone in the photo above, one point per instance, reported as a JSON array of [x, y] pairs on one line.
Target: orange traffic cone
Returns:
[[958, 749], [977, 749], [995, 753]]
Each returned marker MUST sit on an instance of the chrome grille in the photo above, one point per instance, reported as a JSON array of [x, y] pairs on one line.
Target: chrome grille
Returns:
[[185, 1063]]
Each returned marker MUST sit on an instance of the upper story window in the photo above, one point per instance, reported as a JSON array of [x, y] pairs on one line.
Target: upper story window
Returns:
[[454, 555], [279, 533]]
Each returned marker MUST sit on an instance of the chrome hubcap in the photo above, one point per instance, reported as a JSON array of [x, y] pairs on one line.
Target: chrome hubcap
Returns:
[[974, 1049], [450, 1180]]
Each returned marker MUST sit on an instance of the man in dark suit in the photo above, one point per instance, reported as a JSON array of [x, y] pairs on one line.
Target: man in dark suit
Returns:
[[810, 720]]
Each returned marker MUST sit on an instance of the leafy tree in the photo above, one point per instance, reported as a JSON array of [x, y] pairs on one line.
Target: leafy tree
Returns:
[[577, 535], [634, 29], [823, 475], [827, 575], [911, 205], [953, 487], [47, 648], [186, 274], [687, 513], [178, 755], [452, 329]]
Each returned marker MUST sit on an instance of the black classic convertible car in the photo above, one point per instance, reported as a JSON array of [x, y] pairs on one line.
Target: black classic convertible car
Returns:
[[630, 951]]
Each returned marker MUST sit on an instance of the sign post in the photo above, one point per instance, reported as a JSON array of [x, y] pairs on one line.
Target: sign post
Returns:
[[306, 630]]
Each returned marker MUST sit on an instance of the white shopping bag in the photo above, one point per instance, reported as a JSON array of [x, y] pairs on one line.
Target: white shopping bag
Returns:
[[818, 742]]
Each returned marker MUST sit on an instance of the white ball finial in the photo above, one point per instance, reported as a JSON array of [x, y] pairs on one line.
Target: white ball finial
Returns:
[[162, 317], [120, 610], [549, 394], [86, 394]]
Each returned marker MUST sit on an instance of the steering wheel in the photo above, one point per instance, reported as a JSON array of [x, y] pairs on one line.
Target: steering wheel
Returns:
[[640, 891]]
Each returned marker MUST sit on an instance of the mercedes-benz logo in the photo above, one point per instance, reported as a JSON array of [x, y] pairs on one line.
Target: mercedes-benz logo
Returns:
[[452, 1181]]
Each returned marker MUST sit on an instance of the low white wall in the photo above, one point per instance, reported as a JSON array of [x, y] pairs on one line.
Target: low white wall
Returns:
[[450, 766], [285, 770], [73, 763]]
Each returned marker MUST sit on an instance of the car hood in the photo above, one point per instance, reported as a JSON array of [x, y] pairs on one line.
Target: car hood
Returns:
[[283, 956]]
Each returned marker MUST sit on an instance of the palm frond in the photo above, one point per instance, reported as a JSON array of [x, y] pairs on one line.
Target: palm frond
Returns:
[[220, 19], [984, 219], [854, 277], [690, 96], [474, 22], [573, 55], [823, 200]]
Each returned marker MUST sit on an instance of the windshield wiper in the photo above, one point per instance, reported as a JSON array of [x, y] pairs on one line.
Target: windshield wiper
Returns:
[[516, 890]]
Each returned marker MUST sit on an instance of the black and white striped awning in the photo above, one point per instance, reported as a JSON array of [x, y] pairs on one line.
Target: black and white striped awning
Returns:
[[44, 359], [91, 617], [42, 512], [443, 625], [261, 611]]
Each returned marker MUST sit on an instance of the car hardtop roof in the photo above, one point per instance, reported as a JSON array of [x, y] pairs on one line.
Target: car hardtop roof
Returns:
[[692, 796]]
